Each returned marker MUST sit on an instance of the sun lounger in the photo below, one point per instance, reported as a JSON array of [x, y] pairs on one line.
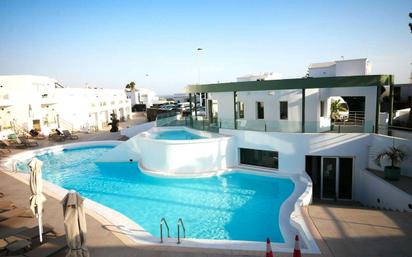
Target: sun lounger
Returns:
[[35, 135], [69, 135], [28, 142], [48, 248], [12, 213], [17, 245], [57, 137], [12, 144], [17, 242], [33, 232]]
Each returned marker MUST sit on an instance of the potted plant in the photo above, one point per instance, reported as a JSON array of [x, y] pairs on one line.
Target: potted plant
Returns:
[[395, 155]]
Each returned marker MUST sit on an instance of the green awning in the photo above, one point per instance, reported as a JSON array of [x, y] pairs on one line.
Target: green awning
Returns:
[[326, 82]]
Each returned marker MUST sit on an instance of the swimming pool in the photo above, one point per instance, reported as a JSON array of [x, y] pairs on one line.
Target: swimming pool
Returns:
[[176, 135], [233, 206]]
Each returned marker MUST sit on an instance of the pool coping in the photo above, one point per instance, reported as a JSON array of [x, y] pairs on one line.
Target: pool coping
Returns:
[[290, 209]]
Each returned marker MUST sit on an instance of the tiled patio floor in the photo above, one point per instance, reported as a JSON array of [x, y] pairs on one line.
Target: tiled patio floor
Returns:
[[358, 231]]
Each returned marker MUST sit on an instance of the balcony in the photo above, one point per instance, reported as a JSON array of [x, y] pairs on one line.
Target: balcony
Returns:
[[48, 99], [285, 126]]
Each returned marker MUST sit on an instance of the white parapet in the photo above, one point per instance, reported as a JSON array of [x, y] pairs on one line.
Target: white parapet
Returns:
[[210, 154]]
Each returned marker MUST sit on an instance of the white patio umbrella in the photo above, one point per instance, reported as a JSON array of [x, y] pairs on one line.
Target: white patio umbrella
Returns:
[[75, 225], [36, 187]]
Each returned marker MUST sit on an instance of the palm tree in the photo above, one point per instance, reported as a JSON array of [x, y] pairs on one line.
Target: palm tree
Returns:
[[394, 154], [131, 87], [335, 107]]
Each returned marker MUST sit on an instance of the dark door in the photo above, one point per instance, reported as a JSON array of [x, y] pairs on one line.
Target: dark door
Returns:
[[313, 168], [345, 178]]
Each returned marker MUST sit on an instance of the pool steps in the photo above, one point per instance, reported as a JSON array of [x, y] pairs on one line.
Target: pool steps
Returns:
[[163, 221], [180, 223]]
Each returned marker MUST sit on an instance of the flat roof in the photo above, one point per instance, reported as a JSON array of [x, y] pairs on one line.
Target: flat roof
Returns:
[[301, 83]]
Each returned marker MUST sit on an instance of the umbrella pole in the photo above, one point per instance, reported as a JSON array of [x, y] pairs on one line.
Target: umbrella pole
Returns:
[[40, 229]]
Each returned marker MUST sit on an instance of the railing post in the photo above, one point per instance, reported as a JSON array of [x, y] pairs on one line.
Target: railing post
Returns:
[[161, 233], [178, 233]]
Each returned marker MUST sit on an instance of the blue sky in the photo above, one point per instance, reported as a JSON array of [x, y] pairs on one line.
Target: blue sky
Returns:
[[110, 43]]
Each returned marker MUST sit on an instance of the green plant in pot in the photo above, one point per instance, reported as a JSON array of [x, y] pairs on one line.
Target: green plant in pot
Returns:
[[395, 155]]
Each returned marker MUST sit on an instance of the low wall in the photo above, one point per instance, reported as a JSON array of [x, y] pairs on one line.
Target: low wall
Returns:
[[185, 157], [378, 193], [133, 131]]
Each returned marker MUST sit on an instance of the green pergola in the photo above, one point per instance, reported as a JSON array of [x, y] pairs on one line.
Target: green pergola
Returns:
[[377, 81]]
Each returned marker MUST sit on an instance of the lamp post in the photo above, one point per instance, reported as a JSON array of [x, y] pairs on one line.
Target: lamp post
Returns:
[[198, 64]]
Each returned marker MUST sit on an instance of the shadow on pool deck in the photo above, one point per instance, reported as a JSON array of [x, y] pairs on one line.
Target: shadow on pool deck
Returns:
[[358, 231]]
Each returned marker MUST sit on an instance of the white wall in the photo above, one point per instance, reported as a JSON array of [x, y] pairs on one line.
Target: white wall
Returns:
[[322, 72], [225, 104], [133, 131], [378, 193], [178, 157], [173, 157], [352, 67]]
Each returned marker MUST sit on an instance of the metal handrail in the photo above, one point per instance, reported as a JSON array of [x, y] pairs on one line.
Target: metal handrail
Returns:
[[180, 222], [163, 221]]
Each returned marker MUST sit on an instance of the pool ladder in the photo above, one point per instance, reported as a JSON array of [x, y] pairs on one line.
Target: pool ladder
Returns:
[[179, 224]]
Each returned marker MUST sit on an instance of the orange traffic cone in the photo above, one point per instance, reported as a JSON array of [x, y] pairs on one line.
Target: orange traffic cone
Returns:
[[296, 251], [269, 252]]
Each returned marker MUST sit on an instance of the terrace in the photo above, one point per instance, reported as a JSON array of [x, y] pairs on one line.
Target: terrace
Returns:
[[369, 86]]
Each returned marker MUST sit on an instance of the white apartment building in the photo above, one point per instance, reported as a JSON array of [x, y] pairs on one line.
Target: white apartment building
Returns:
[[142, 96], [41, 103]]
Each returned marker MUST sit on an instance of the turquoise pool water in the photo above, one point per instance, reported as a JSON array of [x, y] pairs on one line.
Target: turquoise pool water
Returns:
[[234, 206], [176, 135]]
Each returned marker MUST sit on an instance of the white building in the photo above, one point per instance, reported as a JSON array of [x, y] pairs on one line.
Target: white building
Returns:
[[280, 109], [37, 102], [353, 67], [180, 97], [262, 76], [92, 109], [142, 96]]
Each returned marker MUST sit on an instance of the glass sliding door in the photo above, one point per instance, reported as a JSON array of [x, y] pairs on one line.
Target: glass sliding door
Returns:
[[337, 178], [329, 166]]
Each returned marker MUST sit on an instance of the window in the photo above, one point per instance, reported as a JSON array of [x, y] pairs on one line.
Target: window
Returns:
[[261, 158], [322, 109], [241, 110], [260, 110], [283, 110]]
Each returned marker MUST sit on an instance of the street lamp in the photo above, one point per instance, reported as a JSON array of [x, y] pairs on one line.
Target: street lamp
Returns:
[[198, 64]]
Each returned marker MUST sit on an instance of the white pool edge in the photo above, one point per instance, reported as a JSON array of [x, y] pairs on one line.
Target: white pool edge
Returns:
[[290, 209]]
